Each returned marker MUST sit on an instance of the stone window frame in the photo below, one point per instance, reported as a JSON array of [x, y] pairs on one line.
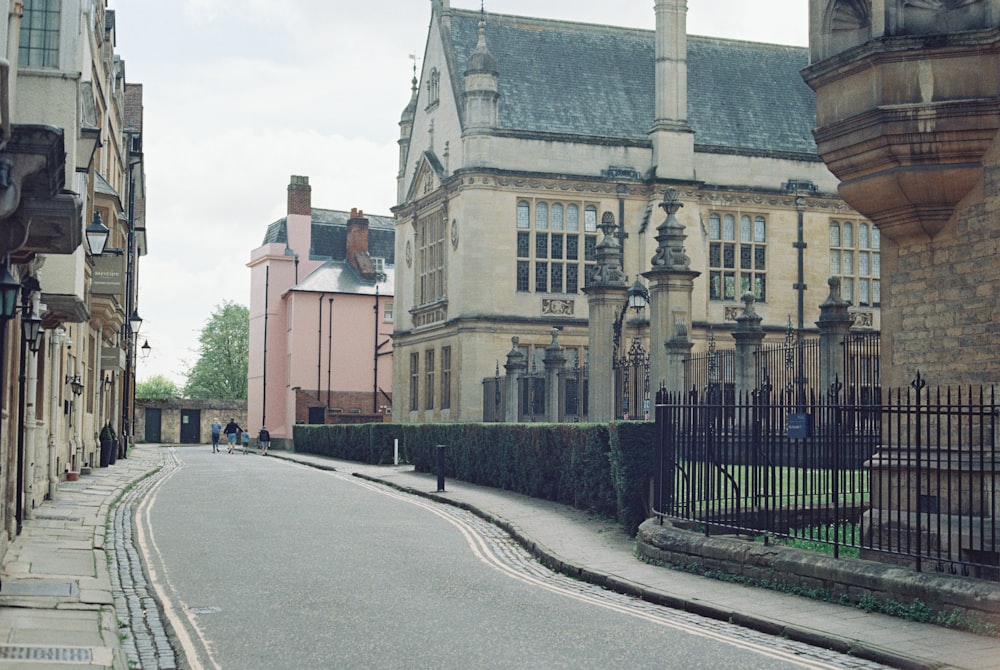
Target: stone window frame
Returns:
[[431, 259], [414, 381], [856, 258], [429, 371], [446, 377], [737, 255], [555, 245]]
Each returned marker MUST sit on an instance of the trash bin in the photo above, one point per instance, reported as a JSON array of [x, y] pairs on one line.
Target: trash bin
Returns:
[[105, 452], [114, 452]]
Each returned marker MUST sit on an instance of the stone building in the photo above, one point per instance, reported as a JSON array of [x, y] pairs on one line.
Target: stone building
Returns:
[[524, 134], [908, 114], [70, 156]]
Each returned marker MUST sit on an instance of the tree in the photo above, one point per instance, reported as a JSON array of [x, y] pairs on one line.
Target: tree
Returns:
[[221, 370], [156, 386]]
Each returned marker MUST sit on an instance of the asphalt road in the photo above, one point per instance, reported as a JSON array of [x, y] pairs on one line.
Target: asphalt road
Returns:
[[261, 563]]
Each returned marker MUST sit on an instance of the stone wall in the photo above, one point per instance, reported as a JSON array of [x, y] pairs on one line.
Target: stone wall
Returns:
[[207, 410], [844, 579]]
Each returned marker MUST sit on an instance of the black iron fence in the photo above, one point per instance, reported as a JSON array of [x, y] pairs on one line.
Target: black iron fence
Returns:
[[912, 479], [632, 397]]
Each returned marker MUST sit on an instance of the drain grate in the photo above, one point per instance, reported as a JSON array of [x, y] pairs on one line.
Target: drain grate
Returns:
[[58, 654], [53, 517], [51, 589]]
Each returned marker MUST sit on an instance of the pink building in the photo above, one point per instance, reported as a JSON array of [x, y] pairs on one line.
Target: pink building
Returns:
[[321, 297]]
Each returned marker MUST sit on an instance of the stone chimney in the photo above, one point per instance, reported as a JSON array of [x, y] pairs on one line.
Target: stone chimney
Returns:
[[357, 245], [299, 196]]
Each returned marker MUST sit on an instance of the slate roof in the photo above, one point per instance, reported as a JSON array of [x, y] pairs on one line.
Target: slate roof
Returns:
[[339, 277], [598, 82], [328, 239]]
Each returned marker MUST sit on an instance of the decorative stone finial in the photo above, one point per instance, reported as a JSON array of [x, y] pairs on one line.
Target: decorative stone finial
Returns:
[[670, 237]]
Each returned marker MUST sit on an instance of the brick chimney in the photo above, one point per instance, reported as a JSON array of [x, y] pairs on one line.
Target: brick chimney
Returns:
[[357, 244], [299, 196]]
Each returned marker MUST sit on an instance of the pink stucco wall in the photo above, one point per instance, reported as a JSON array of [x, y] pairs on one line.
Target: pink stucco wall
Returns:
[[312, 355]]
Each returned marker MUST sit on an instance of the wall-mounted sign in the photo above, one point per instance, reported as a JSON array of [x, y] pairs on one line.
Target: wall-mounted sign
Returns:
[[112, 358], [109, 275]]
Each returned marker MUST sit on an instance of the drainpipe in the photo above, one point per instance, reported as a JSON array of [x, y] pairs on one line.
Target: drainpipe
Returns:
[[263, 395], [319, 350], [329, 352], [55, 406], [31, 422]]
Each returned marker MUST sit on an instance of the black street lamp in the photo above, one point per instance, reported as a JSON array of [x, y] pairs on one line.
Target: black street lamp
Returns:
[[134, 323], [97, 235], [145, 349], [637, 299]]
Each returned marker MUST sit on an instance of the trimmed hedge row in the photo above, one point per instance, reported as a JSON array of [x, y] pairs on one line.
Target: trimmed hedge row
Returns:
[[602, 468]]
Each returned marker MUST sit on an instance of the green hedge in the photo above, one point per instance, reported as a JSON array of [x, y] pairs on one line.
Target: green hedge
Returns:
[[595, 467]]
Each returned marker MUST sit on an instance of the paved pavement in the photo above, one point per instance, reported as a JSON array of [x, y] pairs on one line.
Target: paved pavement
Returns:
[[68, 602]]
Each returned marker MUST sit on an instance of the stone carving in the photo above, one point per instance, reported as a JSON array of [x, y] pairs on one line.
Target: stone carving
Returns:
[[558, 307], [921, 17]]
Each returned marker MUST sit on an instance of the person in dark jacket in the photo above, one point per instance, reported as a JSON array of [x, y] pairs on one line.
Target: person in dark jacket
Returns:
[[232, 432], [264, 439]]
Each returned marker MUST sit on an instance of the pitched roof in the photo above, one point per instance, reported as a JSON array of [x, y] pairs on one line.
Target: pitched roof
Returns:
[[328, 238], [340, 277], [598, 81]]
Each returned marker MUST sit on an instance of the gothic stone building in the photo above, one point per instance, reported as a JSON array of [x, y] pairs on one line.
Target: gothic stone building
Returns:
[[522, 134]]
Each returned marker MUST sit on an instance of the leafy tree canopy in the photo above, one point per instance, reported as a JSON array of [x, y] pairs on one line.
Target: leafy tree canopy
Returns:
[[221, 370], [156, 386]]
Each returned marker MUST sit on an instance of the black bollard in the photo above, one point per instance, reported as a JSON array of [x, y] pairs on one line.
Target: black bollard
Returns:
[[440, 467]]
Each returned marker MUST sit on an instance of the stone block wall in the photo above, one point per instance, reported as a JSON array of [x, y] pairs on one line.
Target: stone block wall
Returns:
[[940, 314]]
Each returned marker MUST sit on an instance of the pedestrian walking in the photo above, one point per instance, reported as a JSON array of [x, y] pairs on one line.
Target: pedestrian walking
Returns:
[[245, 438], [264, 440], [216, 435], [232, 432]]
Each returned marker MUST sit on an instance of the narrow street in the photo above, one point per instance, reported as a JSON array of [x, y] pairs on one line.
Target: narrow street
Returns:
[[260, 563]]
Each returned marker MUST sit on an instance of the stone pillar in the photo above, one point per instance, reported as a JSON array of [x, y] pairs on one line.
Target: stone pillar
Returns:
[[517, 365], [834, 326], [671, 282], [606, 297], [554, 361], [748, 335]]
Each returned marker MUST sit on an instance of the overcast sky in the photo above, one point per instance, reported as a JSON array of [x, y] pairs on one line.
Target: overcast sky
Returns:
[[241, 94]]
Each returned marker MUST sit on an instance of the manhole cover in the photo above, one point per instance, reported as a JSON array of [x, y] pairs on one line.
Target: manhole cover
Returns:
[[58, 654], [212, 609]]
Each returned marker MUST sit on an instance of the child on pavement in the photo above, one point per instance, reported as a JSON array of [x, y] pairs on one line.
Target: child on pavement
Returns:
[[264, 439], [246, 441]]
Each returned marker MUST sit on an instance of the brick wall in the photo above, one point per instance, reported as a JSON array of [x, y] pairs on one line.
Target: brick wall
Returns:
[[300, 196]]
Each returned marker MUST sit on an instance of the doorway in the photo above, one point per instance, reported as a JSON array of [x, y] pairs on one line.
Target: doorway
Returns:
[[190, 426]]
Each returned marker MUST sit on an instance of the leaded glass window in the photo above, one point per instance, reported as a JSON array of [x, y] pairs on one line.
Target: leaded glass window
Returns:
[[737, 267], [536, 246], [856, 259]]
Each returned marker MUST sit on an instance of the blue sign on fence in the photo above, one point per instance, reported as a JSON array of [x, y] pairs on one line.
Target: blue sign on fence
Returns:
[[798, 426]]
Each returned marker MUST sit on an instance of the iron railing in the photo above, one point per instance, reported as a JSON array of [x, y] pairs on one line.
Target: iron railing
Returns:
[[912, 480]]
